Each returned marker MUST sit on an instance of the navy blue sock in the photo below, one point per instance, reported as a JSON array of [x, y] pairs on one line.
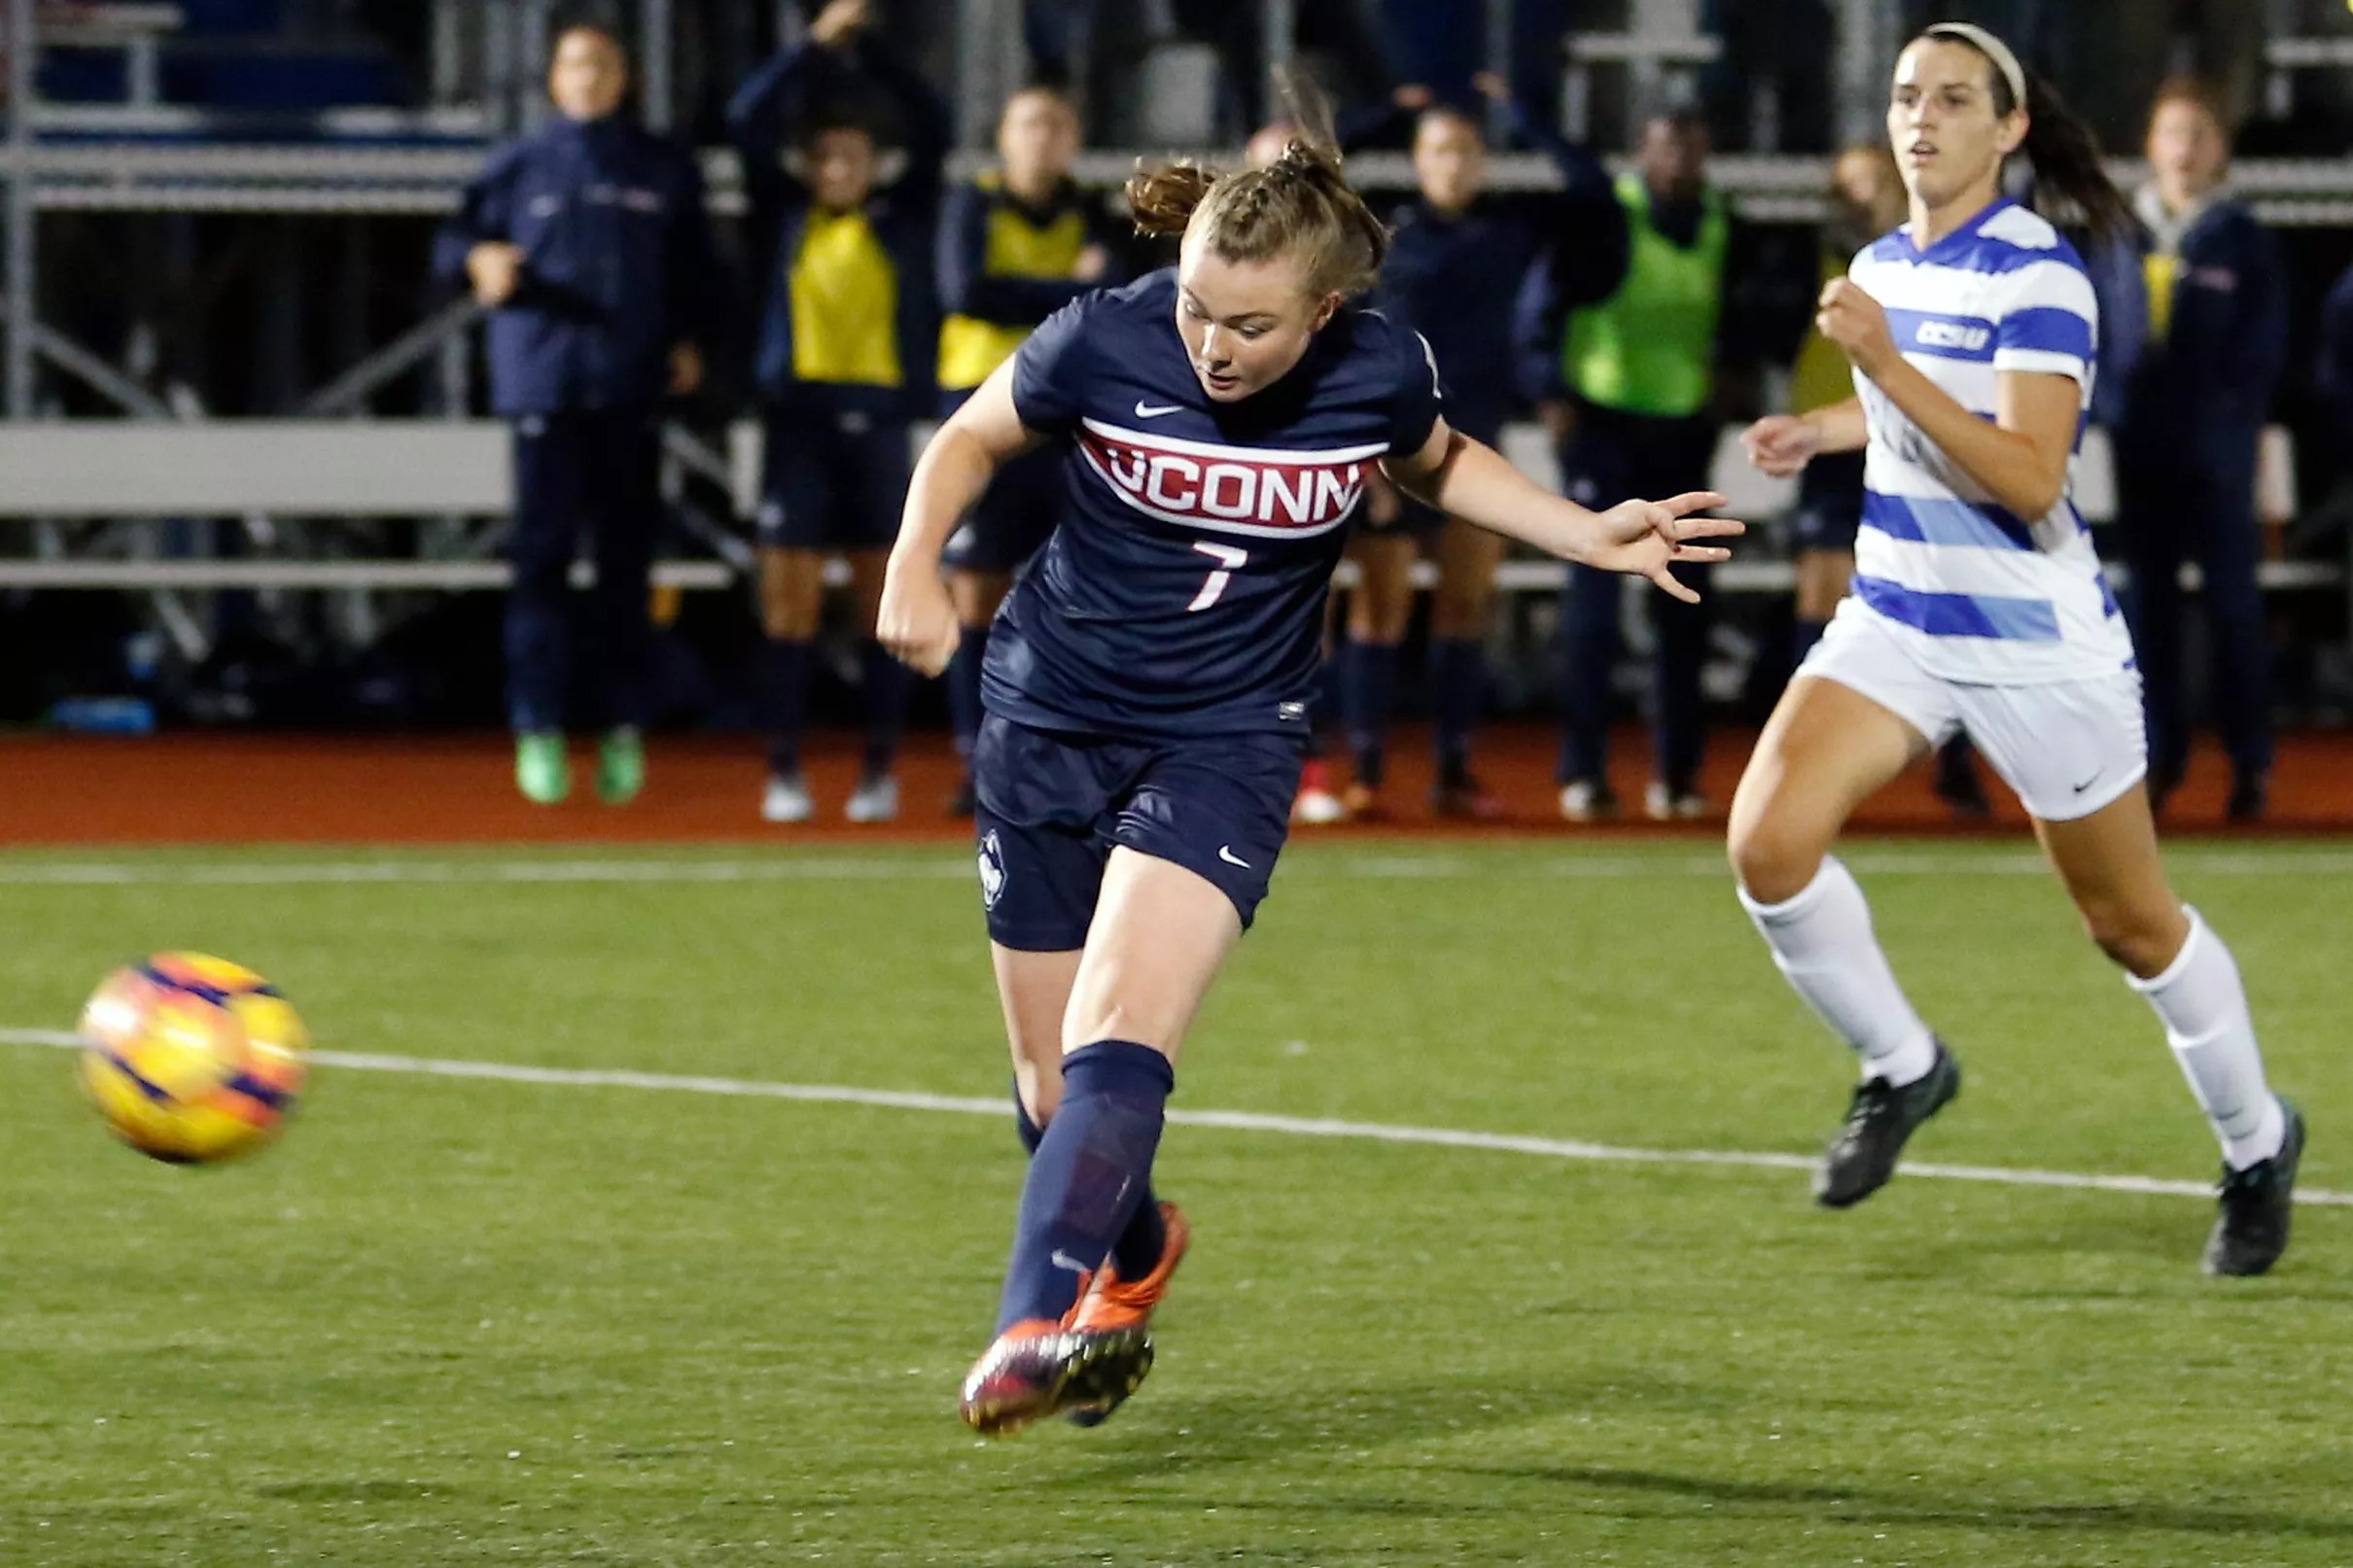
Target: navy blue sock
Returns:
[[1801, 641], [1368, 690], [1139, 1248], [1088, 1176], [787, 679], [963, 688], [1458, 672], [885, 692]]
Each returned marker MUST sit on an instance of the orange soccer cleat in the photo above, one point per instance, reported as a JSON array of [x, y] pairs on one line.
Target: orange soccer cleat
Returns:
[[1112, 1305]]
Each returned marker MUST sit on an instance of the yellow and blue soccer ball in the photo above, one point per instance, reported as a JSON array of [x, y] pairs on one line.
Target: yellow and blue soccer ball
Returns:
[[192, 1058]]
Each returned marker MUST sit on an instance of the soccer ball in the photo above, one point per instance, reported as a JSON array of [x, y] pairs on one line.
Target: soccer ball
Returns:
[[192, 1058]]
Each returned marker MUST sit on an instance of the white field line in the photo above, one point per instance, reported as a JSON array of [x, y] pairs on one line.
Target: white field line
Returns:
[[1229, 1121], [1392, 866]]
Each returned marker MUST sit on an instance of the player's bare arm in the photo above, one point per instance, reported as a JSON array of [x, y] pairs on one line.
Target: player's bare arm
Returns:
[[2020, 458], [1473, 481], [917, 619], [1782, 445]]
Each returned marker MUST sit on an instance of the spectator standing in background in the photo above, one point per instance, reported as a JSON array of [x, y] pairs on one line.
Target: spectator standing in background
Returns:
[[1015, 246], [2192, 418], [1456, 265], [848, 353], [589, 245], [1621, 330]]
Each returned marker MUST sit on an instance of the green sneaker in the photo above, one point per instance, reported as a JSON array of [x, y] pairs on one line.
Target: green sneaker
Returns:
[[620, 766], [541, 770]]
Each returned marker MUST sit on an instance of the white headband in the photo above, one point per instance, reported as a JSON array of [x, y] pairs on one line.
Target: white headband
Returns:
[[1992, 47]]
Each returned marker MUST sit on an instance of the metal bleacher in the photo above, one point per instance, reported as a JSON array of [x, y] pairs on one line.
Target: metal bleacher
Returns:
[[99, 494], [271, 470]]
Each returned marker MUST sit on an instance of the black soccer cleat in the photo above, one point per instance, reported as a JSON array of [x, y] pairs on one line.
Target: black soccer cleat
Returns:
[[1038, 1369], [2251, 1230], [1879, 1120]]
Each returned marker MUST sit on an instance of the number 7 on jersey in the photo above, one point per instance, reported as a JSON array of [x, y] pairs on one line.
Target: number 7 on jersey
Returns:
[[1229, 560]]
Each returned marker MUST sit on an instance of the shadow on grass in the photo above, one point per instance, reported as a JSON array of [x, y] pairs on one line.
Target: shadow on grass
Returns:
[[1883, 1506], [1353, 1452]]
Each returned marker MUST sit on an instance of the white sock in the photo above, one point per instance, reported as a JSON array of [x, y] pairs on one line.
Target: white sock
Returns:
[[1822, 943], [2204, 1009]]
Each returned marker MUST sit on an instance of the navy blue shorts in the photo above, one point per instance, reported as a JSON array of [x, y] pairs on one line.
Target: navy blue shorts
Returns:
[[1053, 806], [833, 481], [1830, 503], [1013, 517]]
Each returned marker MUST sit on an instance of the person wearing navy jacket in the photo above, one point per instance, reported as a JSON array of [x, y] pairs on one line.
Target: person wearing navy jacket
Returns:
[[1455, 267], [2192, 419], [847, 360], [589, 244]]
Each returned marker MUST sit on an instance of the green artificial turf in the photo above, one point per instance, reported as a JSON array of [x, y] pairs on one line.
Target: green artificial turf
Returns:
[[463, 1321]]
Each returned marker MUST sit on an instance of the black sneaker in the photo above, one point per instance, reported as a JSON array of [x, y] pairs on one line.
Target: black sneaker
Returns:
[[1957, 784], [2250, 798], [2253, 1229], [1878, 1120]]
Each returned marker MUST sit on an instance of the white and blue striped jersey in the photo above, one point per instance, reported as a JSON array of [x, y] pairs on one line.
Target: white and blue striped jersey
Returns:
[[1978, 593]]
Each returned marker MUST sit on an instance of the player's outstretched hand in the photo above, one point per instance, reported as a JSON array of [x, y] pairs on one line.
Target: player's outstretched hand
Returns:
[[917, 620], [838, 23], [1643, 538], [1782, 445]]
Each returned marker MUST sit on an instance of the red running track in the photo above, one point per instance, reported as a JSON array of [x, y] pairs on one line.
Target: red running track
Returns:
[[199, 787]]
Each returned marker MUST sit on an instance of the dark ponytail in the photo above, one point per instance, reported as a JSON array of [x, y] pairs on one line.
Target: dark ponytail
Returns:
[[2066, 160], [2070, 184]]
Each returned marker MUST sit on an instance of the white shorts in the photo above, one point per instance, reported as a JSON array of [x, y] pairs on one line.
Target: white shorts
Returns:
[[2067, 747]]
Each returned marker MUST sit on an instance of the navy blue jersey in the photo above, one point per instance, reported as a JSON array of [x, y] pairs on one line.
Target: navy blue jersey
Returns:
[[1182, 591], [1453, 279]]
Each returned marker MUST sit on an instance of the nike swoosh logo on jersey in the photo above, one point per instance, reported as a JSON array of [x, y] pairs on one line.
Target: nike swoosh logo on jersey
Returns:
[[1225, 853], [1145, 410]]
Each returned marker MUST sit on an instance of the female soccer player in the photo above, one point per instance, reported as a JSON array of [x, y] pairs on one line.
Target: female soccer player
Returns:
[[1147, 685], [1979, 606]]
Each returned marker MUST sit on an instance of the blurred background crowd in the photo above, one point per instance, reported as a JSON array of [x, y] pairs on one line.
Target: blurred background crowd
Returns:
[[734, 255]]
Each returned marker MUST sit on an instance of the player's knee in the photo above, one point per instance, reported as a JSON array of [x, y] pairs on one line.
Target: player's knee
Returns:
[[2142, 940], [1117, 1021], [1775, 857]]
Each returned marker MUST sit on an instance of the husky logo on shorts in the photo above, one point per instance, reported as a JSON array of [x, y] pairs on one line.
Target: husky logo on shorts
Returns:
[[992, 870]]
